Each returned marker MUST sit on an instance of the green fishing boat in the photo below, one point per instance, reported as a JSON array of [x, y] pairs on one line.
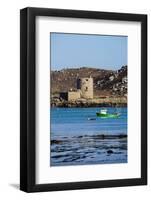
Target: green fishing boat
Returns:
[[104, 114]]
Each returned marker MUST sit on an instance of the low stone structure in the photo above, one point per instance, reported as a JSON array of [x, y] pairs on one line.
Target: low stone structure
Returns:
[[70, 95], [84, 90]]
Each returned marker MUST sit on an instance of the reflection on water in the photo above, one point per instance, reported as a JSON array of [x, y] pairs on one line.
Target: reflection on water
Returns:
[[76, 140]]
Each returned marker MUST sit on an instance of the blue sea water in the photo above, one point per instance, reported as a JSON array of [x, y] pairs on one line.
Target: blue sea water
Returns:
[[79, 137]]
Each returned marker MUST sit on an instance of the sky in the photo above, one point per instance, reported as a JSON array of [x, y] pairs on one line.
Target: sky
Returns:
[[85, 50]]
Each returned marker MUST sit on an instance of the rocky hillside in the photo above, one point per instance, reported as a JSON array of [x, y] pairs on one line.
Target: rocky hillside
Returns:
[[106, 82]]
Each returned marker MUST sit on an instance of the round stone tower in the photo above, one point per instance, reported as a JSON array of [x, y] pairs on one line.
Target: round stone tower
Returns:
[[86, 87]]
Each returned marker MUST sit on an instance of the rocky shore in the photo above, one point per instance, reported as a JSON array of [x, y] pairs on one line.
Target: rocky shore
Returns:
[[89, 149], [94, 137], [98, 102]]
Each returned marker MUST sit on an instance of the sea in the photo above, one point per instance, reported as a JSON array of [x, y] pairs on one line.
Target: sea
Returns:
[[79, 137]]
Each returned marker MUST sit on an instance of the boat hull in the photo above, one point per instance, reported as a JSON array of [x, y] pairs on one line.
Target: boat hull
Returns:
[[107, 115]]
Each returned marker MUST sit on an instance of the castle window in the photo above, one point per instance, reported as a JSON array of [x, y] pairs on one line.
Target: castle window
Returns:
[[86, 88], [86, 79]]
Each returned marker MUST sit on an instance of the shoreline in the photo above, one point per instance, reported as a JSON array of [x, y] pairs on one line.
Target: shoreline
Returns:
[[89, 106], [86, 103], [94, 137]]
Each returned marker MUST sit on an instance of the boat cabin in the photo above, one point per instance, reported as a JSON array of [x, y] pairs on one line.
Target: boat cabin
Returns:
[[104, 111]]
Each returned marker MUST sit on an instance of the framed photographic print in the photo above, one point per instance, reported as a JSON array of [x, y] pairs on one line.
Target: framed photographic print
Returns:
[[83, 99]]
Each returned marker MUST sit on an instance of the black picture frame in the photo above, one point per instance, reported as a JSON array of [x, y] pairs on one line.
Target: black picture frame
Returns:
[[28, 99]]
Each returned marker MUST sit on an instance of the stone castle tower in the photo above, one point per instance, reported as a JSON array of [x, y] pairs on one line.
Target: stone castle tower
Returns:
[[86, 87]]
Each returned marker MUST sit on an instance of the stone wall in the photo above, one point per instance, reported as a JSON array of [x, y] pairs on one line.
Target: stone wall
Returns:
[[73, 95], [70, 95]]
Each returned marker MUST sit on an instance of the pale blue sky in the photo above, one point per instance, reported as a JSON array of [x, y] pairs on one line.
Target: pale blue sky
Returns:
[[81, 50]]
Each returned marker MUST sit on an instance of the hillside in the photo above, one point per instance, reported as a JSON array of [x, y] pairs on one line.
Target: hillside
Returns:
[[106, 82]]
